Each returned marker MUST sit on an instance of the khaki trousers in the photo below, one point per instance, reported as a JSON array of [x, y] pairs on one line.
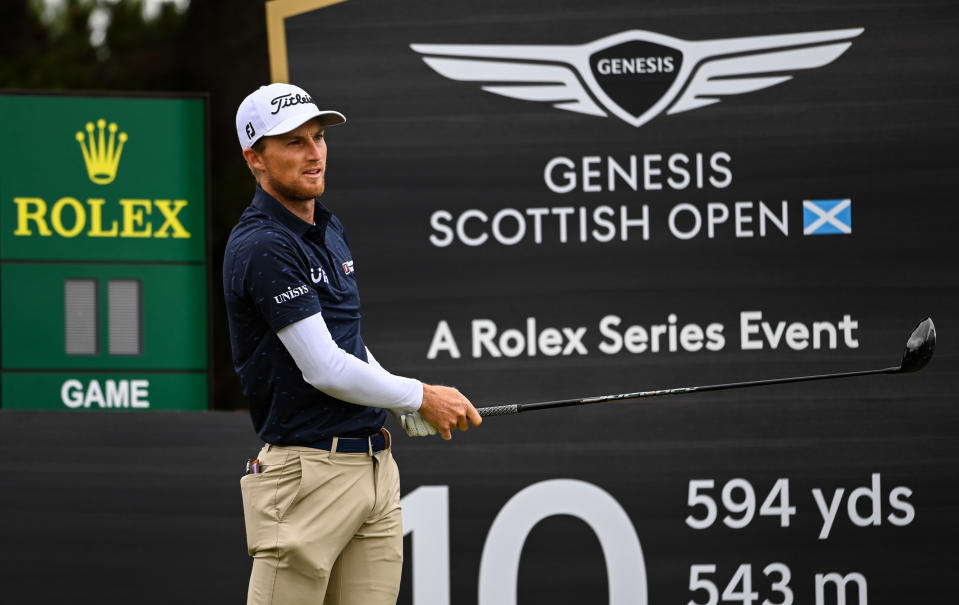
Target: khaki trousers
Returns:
[[323, 527]]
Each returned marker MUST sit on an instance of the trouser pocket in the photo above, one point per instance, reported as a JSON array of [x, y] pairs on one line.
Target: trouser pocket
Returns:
[[267, 497]]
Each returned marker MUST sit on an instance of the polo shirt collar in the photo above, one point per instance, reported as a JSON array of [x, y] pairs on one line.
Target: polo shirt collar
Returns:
[[267, 204]]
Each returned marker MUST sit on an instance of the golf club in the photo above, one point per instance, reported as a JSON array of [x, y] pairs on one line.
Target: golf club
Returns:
[[919, 349]]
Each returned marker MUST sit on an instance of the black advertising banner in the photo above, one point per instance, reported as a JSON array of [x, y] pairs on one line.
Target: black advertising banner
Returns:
[[578, 199]]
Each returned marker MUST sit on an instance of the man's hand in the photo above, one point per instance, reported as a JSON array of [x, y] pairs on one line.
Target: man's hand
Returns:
[[416, 426], [446, 409]]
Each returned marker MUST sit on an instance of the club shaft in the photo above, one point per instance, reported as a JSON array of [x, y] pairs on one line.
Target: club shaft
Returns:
[[503, 410]]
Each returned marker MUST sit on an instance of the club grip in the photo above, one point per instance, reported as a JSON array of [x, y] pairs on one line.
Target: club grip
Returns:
[[498, 410]]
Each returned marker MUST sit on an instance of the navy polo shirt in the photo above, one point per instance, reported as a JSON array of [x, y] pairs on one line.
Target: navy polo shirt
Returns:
[[277, 270]]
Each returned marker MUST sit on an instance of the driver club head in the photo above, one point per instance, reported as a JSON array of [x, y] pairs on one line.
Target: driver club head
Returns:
[[920, 347]]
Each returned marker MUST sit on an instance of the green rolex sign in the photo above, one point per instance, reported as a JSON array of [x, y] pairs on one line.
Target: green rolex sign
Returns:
[[103, 253]]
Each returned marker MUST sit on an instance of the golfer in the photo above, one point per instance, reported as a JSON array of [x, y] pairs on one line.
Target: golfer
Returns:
[[322, 501]]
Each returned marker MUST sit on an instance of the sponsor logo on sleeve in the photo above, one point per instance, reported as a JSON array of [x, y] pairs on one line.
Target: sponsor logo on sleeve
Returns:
[[290, 293], [317, 275]]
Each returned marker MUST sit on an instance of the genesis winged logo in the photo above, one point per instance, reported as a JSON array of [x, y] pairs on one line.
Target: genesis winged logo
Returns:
[[636, 75]]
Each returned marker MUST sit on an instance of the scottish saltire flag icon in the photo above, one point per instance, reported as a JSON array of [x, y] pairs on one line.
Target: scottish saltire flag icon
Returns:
[[827, 217]]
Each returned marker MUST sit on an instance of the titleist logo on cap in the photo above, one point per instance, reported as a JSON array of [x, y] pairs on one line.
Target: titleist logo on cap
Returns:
[[277, 109], [288, 100]]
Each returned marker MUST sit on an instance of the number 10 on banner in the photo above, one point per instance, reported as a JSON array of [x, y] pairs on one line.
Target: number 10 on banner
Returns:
[[426, 517]]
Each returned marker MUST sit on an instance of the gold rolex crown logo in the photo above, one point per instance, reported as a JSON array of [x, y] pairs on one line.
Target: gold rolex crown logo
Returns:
[[101, 156]]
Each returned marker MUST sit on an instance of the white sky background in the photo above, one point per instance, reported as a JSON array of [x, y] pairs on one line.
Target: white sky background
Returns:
[[100, 19]]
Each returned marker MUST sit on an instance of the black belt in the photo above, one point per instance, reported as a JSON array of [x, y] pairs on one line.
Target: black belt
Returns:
[[355, 445]]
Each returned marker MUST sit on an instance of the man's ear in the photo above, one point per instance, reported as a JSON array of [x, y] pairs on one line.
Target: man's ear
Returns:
[[253, 158]]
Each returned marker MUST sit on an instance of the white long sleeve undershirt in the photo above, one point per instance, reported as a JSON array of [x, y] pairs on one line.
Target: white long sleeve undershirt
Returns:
[[339, 374]]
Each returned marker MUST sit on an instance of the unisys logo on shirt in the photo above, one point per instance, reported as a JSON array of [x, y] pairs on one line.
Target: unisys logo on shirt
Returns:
[[291, 293]]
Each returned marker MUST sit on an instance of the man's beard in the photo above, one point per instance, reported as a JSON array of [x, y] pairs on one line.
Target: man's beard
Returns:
[[300, 194]]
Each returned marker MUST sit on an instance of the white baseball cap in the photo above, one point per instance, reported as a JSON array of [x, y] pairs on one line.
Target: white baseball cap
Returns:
[[276, 109]]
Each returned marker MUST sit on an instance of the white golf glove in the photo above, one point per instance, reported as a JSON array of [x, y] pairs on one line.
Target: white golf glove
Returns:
[[417, 426]]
